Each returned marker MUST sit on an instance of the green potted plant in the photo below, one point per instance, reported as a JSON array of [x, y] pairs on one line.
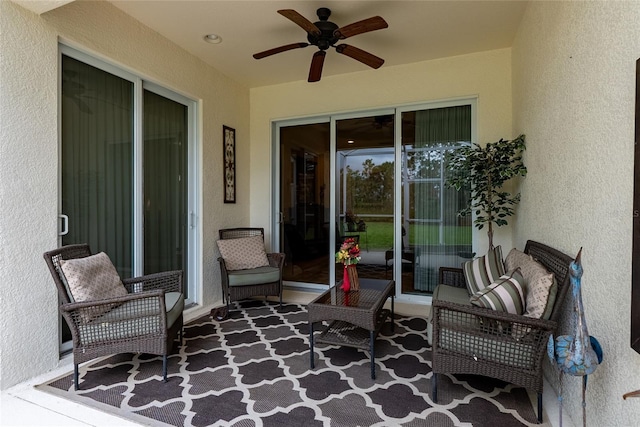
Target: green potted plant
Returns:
[[484, 171]]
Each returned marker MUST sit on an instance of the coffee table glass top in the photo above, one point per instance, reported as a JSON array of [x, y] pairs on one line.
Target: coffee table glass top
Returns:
[[367, 296]]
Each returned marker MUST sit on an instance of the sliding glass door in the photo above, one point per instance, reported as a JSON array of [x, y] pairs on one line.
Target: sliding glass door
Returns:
[[379, 177], [97, 174], [364, 190], [128, 170], [165, 184], [434, 235], [304, 201]]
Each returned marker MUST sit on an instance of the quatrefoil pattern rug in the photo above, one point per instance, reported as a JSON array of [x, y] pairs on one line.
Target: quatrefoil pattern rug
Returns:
[[253, 370]]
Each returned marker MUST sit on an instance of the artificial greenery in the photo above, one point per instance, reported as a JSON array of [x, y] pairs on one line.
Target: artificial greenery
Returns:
[[484, 171]]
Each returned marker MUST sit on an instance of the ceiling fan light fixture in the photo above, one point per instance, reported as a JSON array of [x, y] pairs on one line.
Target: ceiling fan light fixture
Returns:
[[213, 38]]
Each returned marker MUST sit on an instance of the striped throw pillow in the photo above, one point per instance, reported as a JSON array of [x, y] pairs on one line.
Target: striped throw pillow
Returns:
[[506, 294], [483, 271]]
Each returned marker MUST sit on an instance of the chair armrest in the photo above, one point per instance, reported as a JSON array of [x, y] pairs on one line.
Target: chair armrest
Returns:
[[452, 277], [111, 301], [276, 259], [112, 311], [169, 281]]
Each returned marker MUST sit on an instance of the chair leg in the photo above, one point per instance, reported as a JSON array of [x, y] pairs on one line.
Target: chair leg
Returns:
[[76, 376], [434, 388], [164, 367], [539, 408]]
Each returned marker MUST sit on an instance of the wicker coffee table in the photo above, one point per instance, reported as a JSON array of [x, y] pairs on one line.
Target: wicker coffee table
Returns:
[[356, 317]]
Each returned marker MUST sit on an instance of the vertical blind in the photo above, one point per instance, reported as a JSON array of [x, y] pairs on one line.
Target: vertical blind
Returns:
[[98, 169], [97, 160], [165, 184]]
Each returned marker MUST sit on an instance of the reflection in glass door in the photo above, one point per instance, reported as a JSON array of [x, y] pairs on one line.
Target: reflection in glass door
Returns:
[[364, 191], [304, 202]]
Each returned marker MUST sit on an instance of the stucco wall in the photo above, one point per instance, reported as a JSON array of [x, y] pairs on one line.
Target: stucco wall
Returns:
[[29, 157], [486, 75], [574, 97]]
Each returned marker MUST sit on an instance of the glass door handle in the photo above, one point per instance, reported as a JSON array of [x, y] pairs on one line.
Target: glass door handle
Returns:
[[65, 225]]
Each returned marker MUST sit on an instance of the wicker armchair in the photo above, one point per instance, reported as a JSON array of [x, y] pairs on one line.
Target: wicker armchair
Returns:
[[146, 320], [262, 281], [471, 340]]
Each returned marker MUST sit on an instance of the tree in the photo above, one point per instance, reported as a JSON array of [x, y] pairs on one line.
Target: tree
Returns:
[[484, 170]]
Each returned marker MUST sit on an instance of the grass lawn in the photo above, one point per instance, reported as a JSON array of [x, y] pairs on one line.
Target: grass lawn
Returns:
[[379, 235]]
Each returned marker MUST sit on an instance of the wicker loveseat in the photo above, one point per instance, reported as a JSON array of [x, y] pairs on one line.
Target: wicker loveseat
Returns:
[[467, 339]]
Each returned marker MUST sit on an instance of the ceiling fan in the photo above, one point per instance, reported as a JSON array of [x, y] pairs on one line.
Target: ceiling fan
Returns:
[[325, 34]]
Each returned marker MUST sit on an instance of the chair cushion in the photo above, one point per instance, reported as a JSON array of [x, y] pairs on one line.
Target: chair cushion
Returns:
[[483, 271], [450, 294], [92, 278], [506, 294], [256, 276], [120, 323], [174, 301], [541, 286], [243, 253]]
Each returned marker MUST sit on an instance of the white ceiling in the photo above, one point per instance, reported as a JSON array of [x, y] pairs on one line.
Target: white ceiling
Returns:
[[418, 31]]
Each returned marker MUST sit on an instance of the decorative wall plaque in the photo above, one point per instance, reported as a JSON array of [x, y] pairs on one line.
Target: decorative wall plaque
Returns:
[[229, 155]]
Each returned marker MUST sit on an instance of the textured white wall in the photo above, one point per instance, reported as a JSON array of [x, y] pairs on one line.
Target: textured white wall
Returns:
[[29, 157], [28, 203], [486, 75], [574, 97]]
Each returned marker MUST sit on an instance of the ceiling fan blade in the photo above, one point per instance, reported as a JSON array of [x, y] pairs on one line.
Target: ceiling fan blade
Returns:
[[300, 20], [364, 26], [360, 55], [315, 72], [275, 50]]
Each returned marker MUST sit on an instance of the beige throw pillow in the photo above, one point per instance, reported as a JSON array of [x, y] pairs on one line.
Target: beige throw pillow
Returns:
[[92, 278], [540, 292], [244, 253], [515, 259]]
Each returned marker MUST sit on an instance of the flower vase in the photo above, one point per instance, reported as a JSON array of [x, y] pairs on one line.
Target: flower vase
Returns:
[[346, 285], [353, 277]]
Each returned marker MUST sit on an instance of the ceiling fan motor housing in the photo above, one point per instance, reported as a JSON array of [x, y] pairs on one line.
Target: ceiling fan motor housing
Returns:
[[326, 39]]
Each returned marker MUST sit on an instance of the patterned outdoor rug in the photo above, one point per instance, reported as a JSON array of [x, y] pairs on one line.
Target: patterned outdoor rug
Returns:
[[253, 370]]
